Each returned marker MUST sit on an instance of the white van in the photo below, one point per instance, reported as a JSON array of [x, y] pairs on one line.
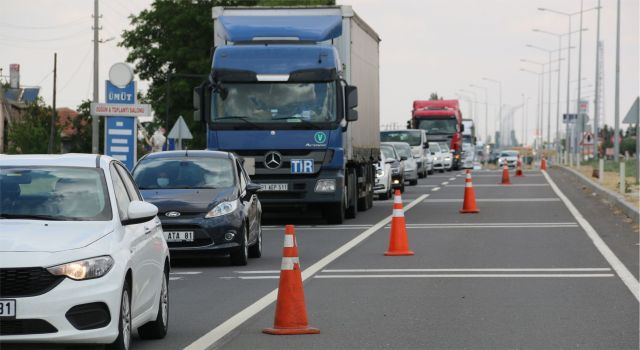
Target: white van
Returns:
[[417, 139]]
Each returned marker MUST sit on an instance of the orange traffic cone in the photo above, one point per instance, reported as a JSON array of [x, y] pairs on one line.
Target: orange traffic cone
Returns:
[[519, 167], [505, 174], [543, 164], [291, 313], [469, 204], [398, 241]]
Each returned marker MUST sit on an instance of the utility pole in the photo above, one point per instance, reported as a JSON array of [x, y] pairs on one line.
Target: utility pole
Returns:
[[596, 107], [1, 117], [616, 136], [578, 148], [52, 127], [95, 121]]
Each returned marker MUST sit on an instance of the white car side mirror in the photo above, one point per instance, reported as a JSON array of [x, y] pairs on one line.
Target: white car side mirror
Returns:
[[139, 212]]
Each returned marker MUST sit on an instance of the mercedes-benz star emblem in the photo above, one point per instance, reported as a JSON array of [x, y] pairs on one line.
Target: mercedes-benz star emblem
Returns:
[[172, 214], [273, 160]]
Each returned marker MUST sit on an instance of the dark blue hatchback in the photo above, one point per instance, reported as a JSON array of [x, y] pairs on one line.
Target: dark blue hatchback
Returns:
[[206, 202]]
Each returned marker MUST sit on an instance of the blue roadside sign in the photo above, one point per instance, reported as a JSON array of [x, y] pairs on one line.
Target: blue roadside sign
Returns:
[[121, 132]]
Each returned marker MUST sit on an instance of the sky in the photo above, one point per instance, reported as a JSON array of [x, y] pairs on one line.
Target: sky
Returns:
[[427, 46]]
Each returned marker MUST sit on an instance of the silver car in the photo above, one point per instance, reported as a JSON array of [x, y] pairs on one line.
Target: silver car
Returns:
[[410, 165]]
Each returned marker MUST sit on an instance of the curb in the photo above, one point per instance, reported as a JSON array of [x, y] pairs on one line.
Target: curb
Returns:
[[618, 200]]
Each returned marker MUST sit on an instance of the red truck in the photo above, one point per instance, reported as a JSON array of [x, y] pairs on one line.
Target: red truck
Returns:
[[442, 119]]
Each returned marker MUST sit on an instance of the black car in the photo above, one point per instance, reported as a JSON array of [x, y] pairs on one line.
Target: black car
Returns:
[[206, 203]]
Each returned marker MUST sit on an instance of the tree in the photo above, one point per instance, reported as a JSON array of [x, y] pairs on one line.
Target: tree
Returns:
[[175, 37], [434, 97], [81, 141], [29, 133]]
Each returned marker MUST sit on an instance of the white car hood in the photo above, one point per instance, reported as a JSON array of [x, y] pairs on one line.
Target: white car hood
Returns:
[[50, 236]]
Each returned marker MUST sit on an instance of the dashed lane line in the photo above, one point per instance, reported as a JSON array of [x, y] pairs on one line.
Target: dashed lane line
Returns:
[[238, 319], [452, 178], [435, 189], [552, 269], [505, 186], [625, 275], [536, 275], [445, 183], [452, 200]]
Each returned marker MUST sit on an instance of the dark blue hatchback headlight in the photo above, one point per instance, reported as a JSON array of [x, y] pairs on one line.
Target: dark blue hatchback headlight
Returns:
[[223, 208]]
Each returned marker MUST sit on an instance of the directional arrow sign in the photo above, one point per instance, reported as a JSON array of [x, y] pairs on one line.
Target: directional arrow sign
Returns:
[[116, 109]]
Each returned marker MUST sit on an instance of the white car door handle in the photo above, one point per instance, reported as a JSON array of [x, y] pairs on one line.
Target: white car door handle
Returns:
[[147, 230]]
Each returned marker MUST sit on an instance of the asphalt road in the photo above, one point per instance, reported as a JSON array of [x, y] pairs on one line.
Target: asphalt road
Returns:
[[524, 273]]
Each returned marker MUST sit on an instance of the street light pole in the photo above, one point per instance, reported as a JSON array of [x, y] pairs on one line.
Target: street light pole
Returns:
[[616, 136], [596, 104], [579, 149], [499, 127], [486, 109]]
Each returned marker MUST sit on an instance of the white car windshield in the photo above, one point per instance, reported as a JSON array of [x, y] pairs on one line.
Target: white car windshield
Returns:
[[53, 193], [509, 154]]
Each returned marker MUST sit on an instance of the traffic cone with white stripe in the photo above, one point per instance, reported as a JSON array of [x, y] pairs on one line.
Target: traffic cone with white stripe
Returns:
[[505, 174], [291, 312], [398, 240], [519, 167], [543, 164], [469, 204]]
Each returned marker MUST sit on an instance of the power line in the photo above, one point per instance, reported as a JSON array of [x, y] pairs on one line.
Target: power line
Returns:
[[77, 69], [76, 21], [76, 34]]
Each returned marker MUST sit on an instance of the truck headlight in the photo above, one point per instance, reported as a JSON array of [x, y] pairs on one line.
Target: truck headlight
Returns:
[[326, 185], [223, 208], [83, 269]]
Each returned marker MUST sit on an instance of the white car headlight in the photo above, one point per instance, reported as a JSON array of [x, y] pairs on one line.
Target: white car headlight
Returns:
[[223, 208], [84, 269]]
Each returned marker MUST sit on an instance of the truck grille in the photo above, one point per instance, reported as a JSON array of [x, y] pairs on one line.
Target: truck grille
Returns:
[[25, 282]]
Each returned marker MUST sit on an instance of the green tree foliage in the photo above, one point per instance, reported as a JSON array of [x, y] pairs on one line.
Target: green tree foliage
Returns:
[[175, 37], [29, 134], [80, 142], [434, 97]]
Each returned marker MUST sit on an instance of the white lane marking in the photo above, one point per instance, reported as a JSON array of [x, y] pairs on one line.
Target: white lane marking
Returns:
[[504, 186], [453, 178], [612, 259], [501, 223], [329, 228], [258, 277], [258, 271], [185, 273], [445, 183], [412, 227], [497, 175], [174, 278], [426, 186], [298, 226], [541, 275], [553, 269], [236, 320], [496, 200], [435, 189]]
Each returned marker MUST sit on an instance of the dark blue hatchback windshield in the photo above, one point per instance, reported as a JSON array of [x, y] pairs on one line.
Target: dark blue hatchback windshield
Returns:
[[187, 172]]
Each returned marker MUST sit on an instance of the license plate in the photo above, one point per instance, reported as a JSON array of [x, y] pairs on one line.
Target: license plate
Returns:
[[302, 166], [7, 308], [179, 236], [275, 187]]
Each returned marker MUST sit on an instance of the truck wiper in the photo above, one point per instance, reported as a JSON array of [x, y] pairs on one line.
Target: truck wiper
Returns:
[[34, 217], [306, 122], [240, 117]]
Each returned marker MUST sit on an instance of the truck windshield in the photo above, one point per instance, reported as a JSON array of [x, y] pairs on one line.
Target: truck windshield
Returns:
[[268, 103], [438, 126], [413, 138]]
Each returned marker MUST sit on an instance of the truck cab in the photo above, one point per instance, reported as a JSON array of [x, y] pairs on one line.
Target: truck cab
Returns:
[[442, 121], [282, 94]]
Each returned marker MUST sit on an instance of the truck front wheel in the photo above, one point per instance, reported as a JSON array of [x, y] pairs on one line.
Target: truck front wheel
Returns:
[[334, 213]]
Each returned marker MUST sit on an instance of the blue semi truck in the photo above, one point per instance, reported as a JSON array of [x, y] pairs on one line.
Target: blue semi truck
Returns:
[[283, 91]]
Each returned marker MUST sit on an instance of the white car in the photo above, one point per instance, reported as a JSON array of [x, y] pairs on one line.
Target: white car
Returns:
[[438, 156], [382, 186], [84, 258], [417, 139], [447, 156], [508, 157]]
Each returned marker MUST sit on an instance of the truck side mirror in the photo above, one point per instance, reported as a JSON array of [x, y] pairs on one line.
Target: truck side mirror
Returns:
[[200, 95], [461, 127], [426, 144], [351, 92], [352, 115], [409, 124]]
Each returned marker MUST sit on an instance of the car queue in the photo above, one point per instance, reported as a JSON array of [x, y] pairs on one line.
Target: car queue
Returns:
[[96, 240]]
